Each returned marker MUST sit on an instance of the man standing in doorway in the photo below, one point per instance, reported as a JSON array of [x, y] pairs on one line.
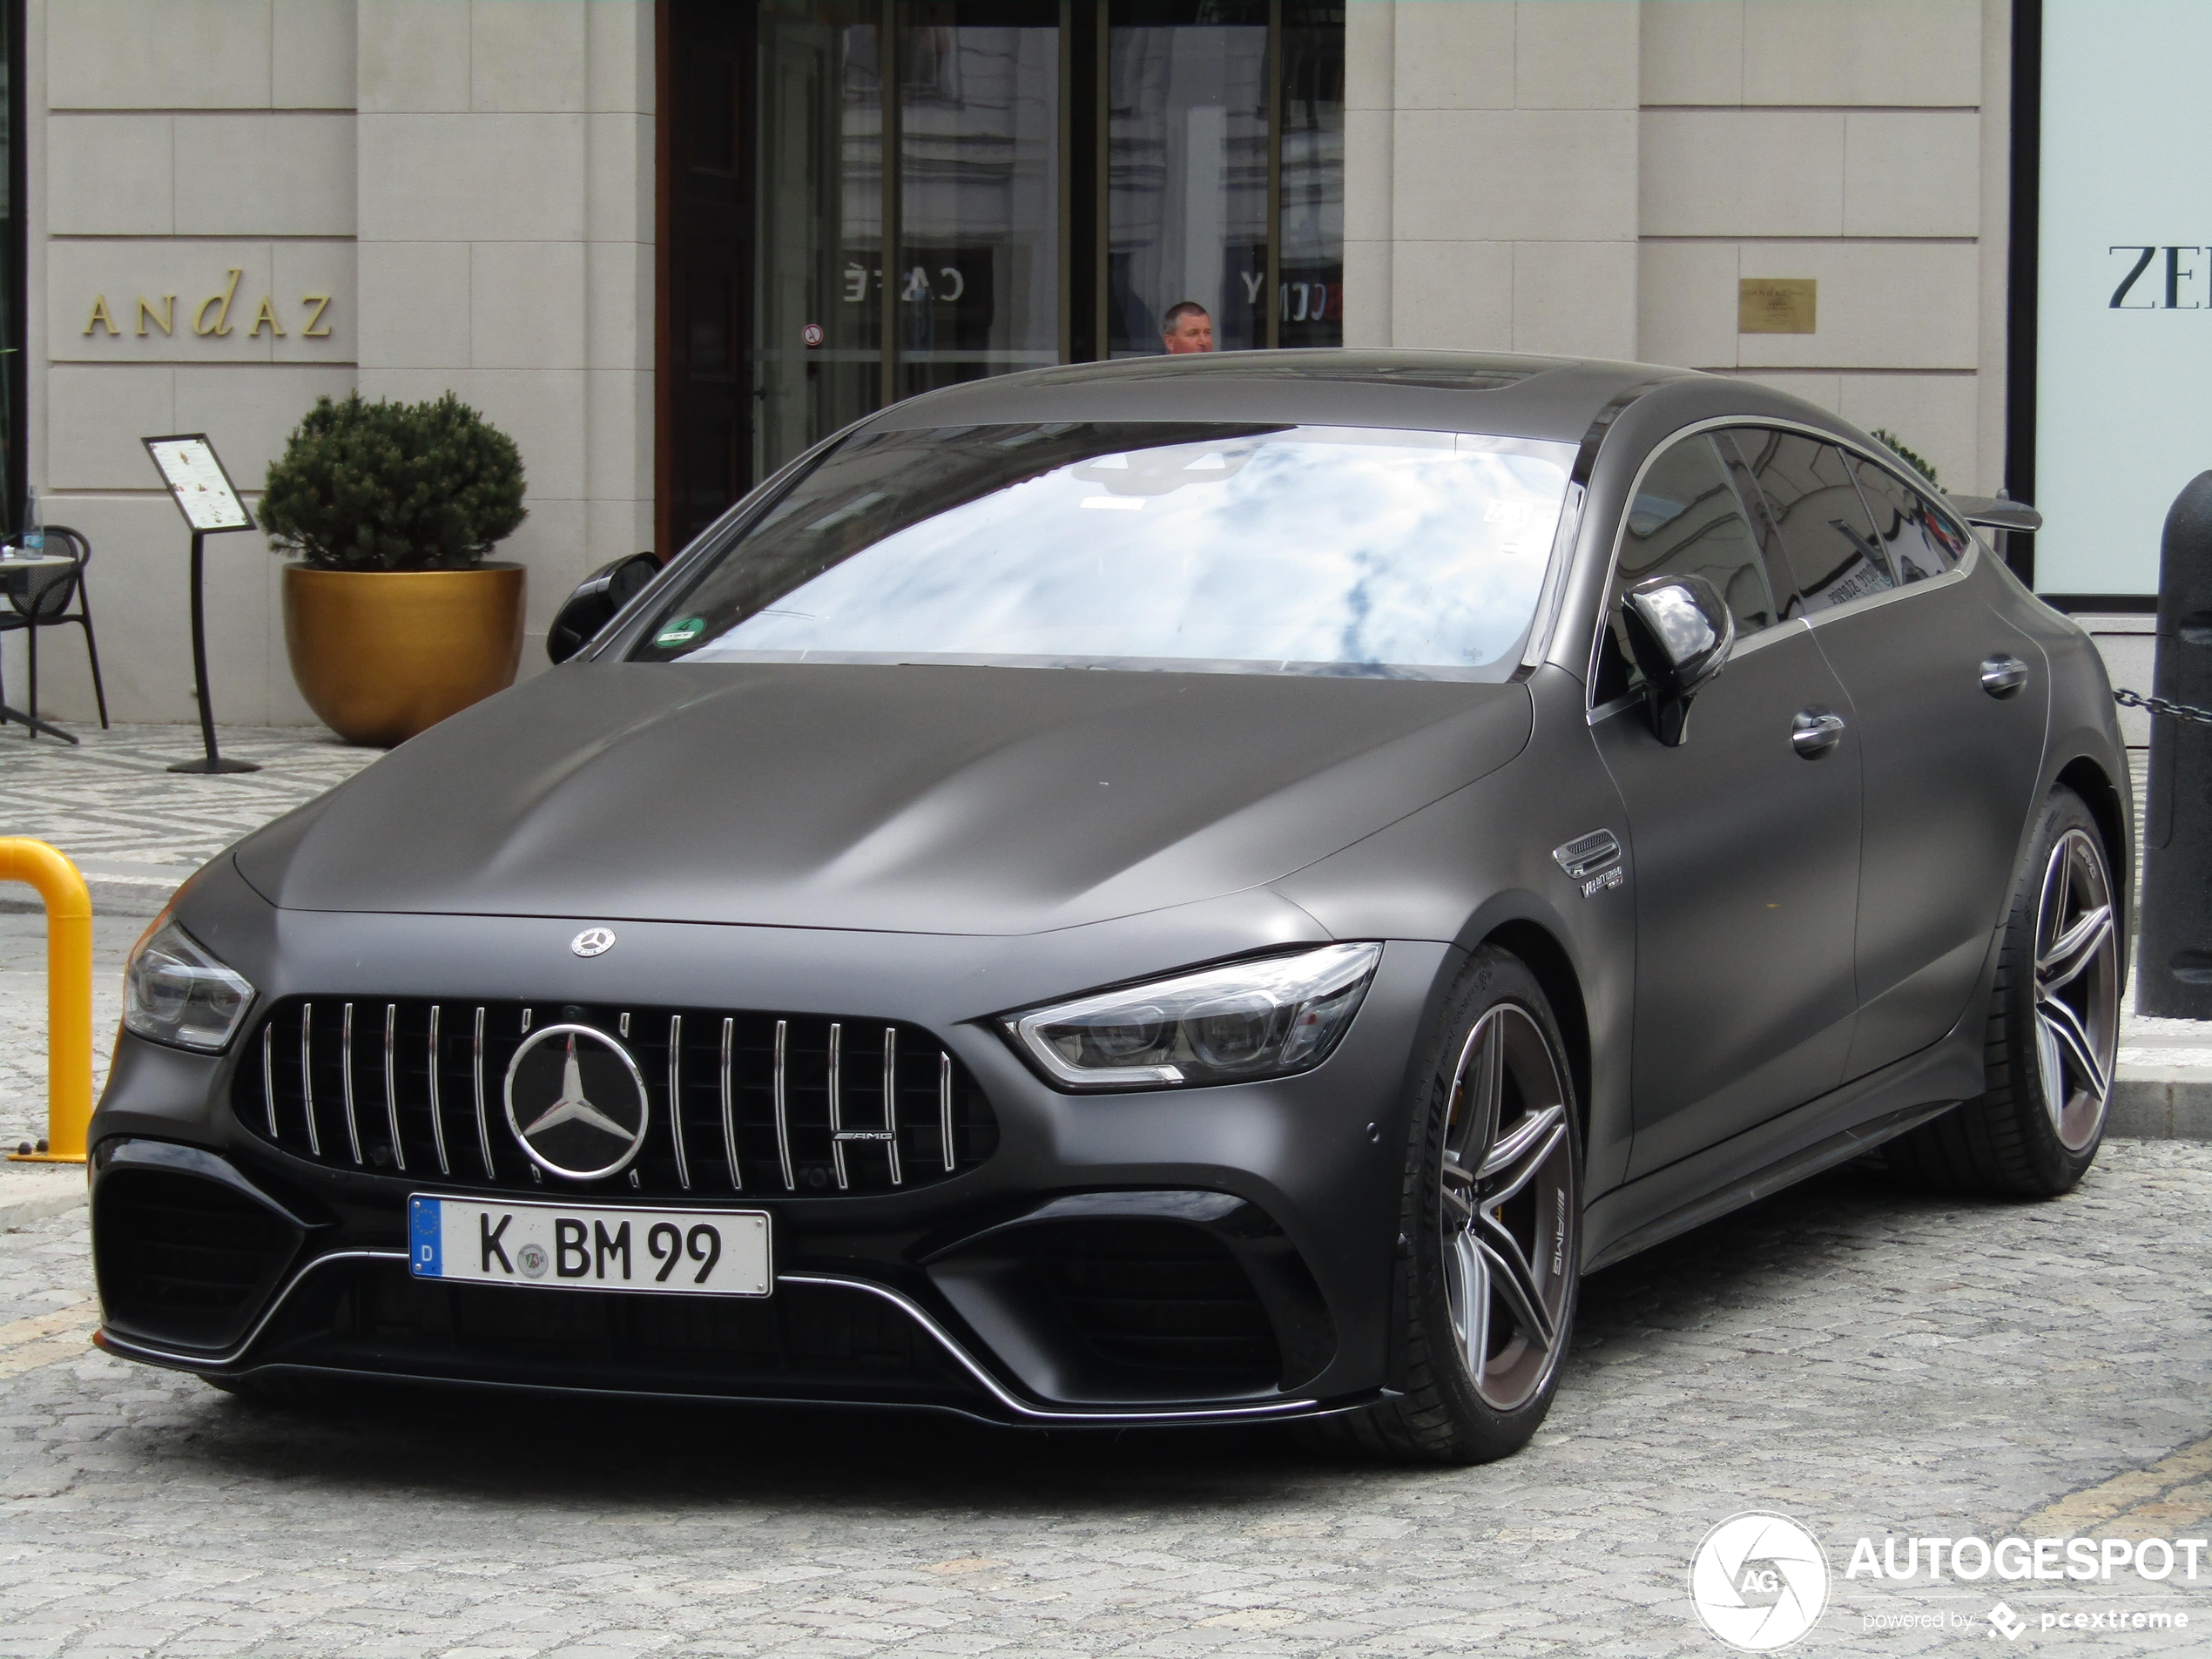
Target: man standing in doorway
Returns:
[[1188, 328]]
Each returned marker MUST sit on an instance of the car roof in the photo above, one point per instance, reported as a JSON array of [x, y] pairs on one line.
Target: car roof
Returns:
[[1524, 396]]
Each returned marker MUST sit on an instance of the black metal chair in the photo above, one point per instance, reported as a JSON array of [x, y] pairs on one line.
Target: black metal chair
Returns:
[[47, 605]]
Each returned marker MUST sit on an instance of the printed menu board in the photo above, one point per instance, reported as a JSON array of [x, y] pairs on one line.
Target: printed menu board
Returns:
[[196, 478]]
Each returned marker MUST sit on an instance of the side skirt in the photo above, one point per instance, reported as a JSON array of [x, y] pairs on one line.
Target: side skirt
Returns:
[[1787, 1170]]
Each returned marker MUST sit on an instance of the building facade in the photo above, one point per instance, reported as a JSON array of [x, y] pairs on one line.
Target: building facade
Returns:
[[647, 238]]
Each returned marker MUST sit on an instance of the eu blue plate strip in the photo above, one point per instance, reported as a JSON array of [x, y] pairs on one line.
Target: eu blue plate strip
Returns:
[[422, 1238]]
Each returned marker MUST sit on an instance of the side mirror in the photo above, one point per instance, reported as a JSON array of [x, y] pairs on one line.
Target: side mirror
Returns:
[[1679, 632], [595, 602]]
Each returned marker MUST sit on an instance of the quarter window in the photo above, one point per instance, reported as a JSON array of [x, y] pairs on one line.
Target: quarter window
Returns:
[[1918, 539], [1819, 526], [1685, 520]]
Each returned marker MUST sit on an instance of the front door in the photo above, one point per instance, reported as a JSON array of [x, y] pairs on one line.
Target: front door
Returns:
[[1745, 851]]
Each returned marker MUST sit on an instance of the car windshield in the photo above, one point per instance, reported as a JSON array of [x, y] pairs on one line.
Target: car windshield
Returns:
[[1153, 545]]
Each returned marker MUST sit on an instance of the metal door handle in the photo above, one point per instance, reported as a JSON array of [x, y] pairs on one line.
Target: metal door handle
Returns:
[[2003, 676], [1815, 732]]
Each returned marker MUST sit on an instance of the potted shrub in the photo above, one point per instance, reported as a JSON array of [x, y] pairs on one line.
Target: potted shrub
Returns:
[[393, 616]]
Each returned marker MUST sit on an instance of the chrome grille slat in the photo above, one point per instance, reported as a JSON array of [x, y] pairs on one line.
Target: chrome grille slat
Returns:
[[268, 1073], [891, 1100], [945, 1107], [392, 1088], [729, 1115], [675, 1097], [307, 1074], [783, 1109], [484, 1127], [346, 1060], [437, 1117], [783, 1101], [837, 1104]]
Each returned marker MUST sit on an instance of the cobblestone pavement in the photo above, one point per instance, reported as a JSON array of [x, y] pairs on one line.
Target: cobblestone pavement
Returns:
[[1866, 1359]]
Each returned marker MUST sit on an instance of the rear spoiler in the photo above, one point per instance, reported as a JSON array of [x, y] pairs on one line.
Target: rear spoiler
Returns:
[[1998, 513]]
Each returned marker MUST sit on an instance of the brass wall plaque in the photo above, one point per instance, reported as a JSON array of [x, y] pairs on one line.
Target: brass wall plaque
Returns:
[[1776, 305]]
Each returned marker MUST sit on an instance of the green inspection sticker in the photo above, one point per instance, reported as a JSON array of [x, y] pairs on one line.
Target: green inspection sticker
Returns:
[[681, 633]]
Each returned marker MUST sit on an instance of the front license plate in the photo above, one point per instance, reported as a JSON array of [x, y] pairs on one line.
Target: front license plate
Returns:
[[577, 1247]]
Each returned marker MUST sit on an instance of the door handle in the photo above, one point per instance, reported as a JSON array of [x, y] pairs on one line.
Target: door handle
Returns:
[[1815, 732], [2002, 676]]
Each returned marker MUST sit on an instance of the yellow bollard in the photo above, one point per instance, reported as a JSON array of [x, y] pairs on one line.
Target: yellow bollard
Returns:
[[69, 994]]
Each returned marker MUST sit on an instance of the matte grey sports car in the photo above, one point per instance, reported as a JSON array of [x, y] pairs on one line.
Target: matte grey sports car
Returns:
[[1159, 892]]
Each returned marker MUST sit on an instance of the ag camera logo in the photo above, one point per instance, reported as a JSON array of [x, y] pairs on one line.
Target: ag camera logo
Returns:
[[1759, 1581]]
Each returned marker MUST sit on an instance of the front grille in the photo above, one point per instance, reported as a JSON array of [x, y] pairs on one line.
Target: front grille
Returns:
[[184, 1259], [1157, 1296], [806, 1342], [769, 1103]]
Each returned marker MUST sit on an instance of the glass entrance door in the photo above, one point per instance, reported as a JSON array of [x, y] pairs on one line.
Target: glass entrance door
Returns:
[[1062, 172], [980, 182], [818, 335], [971, 89], [1187, 172]]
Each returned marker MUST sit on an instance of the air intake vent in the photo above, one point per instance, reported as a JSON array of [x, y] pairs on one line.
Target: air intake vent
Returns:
[[806, 1342], [769, 1103], [184, 1260], [1158, 1296]]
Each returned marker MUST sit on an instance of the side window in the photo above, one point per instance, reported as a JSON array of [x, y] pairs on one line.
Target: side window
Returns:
[[1818, 523], [1920, 541], [1685, 519]]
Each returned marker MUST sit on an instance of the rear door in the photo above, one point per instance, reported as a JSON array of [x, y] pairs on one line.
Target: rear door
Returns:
[[1745, 853], [1950, 764]]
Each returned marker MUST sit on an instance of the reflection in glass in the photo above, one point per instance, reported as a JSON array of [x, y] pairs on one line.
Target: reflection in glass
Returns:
[[1306, 549], [1917, 540], [978, 143], [1187, 170], [1311, 294], [1826, 539], [819, 330]]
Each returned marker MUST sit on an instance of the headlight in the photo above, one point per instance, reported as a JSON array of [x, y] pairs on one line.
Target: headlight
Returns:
[[174, 992], [1265, 1018]]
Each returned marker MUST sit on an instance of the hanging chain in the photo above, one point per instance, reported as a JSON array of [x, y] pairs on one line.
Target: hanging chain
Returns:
[[2129, 699]]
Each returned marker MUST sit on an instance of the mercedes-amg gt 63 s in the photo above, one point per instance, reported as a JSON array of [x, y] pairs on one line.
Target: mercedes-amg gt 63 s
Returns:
[[1205, 890]]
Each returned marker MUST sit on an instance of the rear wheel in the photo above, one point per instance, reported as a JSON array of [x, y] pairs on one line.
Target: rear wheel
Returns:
[[1493, 1228], [2054, 1027]]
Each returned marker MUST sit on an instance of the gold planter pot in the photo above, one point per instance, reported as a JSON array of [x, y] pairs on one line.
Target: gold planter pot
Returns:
[[381, 655]]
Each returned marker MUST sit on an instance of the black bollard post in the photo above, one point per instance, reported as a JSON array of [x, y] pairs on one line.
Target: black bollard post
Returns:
[[2174, 972]]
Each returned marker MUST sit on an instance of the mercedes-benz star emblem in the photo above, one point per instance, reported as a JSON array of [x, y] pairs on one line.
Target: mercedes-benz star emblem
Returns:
[[576, 1102], [593, 941]]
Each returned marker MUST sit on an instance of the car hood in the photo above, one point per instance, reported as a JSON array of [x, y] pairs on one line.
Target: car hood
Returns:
[[902, 797]]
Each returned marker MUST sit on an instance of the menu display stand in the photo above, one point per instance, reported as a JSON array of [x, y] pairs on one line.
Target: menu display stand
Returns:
[[205, 496]]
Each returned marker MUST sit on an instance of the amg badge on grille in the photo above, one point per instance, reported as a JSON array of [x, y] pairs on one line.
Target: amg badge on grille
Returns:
[[576, 1102]]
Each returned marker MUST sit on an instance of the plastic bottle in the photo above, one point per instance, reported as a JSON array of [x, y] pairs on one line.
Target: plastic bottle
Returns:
[[34, 533]]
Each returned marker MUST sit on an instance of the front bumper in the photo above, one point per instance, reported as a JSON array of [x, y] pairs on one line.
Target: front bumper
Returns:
[[1172, 1256]]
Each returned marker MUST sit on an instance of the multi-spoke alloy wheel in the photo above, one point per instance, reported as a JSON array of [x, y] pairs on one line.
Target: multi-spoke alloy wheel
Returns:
[[2053, 1026], [1506, 1207], [2077, 989], [1489, 1250]]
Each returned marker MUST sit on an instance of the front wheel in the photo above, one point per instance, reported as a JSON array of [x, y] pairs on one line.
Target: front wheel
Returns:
[[1492, 1213], [2054, 1027]]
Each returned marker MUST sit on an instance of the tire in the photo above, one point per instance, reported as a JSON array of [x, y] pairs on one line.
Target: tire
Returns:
[[1491, 1221], [2053, 1033]]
